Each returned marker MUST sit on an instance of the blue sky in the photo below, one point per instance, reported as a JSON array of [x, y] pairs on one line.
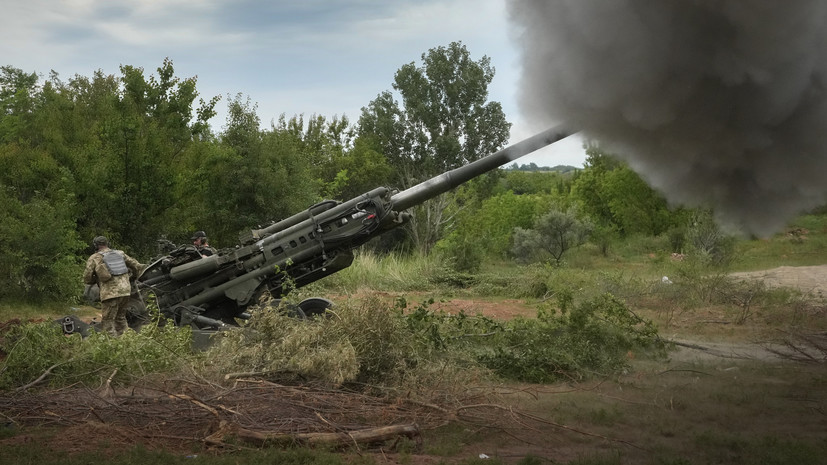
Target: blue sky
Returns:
[[307, 57]]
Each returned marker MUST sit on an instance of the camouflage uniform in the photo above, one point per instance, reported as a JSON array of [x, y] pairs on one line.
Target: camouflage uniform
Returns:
[[205, 250], [114, 290], [199, 241]]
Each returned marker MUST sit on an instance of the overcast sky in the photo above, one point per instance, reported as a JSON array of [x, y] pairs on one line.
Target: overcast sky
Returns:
[[322, 57]]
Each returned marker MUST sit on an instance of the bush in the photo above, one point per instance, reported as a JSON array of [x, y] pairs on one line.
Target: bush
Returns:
[[707, 240], [372, 342], [33, 348], [357, 342], [593, 338], [463, 253], [553, 234]]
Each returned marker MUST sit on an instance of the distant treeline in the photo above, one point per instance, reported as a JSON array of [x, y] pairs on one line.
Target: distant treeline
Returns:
[[533, 167]]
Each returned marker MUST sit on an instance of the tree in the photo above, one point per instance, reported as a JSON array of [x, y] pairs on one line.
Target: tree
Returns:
[[37, 227], [18, 91], [251, 177], [553, 234], [344, 167], [358, 170], [151, 130], [617, 199], [444, 122], [122, 141]]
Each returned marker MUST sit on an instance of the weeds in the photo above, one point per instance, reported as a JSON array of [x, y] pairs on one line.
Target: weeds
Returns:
[[34, 349], [392, 272]]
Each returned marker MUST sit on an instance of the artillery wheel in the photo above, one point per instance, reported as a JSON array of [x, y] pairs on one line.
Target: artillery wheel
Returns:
[[314, 306], [137, 314]]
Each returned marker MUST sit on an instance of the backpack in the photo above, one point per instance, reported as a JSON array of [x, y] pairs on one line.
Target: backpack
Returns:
[[115, 263]]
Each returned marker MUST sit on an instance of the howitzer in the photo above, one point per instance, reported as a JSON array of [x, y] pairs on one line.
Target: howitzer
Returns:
[[209, 293]]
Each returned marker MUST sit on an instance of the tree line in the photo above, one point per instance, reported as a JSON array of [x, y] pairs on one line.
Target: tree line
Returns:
[[133, 157]]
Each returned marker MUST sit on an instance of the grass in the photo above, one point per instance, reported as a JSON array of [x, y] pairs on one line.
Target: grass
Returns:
[[802, 244], [26, 311], [694, 412], [391, 272], [33, 453]]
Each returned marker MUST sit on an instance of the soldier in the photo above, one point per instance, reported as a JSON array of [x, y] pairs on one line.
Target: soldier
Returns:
[[199, 240], [110, 270]]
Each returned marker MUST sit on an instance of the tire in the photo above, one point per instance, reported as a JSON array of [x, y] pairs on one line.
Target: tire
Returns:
[[136, 313], [314, 306]]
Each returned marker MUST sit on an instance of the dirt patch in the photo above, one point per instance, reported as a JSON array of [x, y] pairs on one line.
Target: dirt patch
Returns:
[[808, 279], [182, 417], [501, 309]]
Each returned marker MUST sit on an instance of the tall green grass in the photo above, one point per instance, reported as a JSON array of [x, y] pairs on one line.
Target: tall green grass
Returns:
[[803, 243], [389, 272], [34, 351]]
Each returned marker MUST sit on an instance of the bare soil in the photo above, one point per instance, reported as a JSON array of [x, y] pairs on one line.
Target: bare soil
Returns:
[[715, 400], [808, 279]]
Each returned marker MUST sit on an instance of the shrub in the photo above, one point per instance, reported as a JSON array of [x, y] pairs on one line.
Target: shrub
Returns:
[[357, 342], [592, 338], [553, 234], [464, 254], [372, 342], [706, 239]]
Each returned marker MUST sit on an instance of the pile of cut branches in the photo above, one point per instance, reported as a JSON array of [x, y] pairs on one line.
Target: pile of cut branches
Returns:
[[183, 415]]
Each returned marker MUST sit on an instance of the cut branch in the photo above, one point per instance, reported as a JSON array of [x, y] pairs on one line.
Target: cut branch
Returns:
[[363, 436]]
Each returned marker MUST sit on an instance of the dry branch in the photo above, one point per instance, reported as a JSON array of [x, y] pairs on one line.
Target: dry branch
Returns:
[[41, 377], [362, 436]]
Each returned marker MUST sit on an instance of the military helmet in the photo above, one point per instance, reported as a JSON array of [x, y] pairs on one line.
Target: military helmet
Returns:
[[100, 240], [198, 235]]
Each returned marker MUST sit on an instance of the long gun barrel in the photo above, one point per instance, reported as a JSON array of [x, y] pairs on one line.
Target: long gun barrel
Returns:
[[451, 179], [209, 292]]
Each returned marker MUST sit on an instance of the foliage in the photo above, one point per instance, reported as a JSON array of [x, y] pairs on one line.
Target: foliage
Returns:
[[33, 348], [553, 234], [445, 331], [443, 122], [250, 178], [487, 231], [143, 127], [591, 338], [536, 182], [463, 253], [356, 343], [36, 226], [614, 196], [368, 341], [82, 158], [708, 241], [345, 167]]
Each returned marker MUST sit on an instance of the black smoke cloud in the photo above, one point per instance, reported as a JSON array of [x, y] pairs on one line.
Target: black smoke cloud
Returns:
[[714, 102]]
